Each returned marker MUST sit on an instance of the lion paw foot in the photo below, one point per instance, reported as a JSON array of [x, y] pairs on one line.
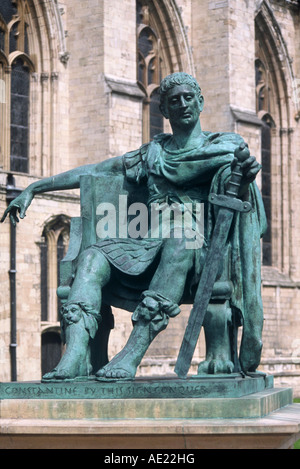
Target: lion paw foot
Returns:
[[215, 366]]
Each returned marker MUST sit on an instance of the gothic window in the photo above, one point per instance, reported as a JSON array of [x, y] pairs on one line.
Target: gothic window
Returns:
[[51, 350], [19, 116], [53, 247], [15, 69], [148, 71], [263, 88], [266, 189], [263, 107], [44, 278]]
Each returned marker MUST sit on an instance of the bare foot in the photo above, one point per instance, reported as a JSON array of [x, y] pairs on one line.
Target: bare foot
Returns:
[[75, 363], [69, 368], [120, 367]]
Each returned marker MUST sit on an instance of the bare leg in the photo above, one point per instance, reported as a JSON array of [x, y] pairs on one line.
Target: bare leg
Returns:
[[93, 273], [152, 315], [125, 363], [170, 277], [80, 316]]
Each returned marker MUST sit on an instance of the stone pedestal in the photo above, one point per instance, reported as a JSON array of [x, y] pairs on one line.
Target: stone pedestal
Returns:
[[57, 415]]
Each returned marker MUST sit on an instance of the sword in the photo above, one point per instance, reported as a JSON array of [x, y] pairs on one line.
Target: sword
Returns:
[[229, 204]]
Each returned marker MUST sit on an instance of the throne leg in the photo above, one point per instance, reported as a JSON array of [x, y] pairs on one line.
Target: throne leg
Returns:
[[220, 327], [218, 336]]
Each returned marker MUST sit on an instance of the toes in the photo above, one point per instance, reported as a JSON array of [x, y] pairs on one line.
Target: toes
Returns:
[[50, 375], [59, 375], [113, 374]]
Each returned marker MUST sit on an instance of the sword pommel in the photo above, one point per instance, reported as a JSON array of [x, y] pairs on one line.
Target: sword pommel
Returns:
[[242, 152]]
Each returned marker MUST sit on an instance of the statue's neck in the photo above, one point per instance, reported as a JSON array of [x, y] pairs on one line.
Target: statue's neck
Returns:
[[184, 138]]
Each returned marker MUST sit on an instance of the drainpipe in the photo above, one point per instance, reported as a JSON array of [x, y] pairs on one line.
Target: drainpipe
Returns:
[[11, 193]]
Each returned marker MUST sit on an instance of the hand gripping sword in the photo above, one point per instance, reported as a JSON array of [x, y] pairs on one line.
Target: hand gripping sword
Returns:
[[228, 203]]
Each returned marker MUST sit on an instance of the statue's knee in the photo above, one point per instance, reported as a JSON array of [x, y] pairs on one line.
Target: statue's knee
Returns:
[[184, 256], [94, 264], [87, 257], [178, 251]]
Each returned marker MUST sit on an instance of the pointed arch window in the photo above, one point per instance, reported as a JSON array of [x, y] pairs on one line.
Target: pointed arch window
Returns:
[[16, 67], [52, 349], [53, 246], [149, 73], [266, 189], [19, 116], [263, 108]]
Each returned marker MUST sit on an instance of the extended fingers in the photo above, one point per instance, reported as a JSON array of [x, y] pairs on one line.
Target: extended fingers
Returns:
[[4, 216], [12, 211], [13, 218]]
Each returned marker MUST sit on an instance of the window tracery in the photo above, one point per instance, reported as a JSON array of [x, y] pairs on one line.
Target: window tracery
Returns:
[[149, 72], [263, 108], [15, 69], [273, 73]]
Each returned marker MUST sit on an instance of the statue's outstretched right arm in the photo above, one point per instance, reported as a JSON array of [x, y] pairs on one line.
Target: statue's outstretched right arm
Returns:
[[63, 181]]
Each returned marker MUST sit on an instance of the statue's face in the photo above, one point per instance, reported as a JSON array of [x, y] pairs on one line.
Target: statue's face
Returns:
[[148, 309], [72, 313], [183, 106]]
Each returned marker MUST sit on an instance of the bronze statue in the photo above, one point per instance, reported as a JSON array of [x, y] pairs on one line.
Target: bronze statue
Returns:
[[175, 170]]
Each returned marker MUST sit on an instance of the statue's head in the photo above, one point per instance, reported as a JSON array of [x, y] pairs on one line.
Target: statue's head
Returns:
[[71, 313], [74, 311], [178, 79]]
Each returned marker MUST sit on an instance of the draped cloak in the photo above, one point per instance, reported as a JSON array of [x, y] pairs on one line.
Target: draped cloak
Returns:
[[190, 175]]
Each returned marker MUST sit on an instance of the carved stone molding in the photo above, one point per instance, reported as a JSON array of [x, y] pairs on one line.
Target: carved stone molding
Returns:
[[125, 87], [44, 77], [248, 117]]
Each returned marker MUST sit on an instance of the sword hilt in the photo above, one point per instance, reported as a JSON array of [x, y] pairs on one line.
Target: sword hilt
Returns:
[[241, 154]]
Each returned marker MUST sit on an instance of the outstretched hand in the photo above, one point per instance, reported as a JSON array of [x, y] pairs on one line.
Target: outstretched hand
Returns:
[[18, 207]]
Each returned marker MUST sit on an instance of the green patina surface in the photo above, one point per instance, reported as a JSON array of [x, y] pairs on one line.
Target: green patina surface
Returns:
[[192, 398], [193, 387], [152, 276]]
